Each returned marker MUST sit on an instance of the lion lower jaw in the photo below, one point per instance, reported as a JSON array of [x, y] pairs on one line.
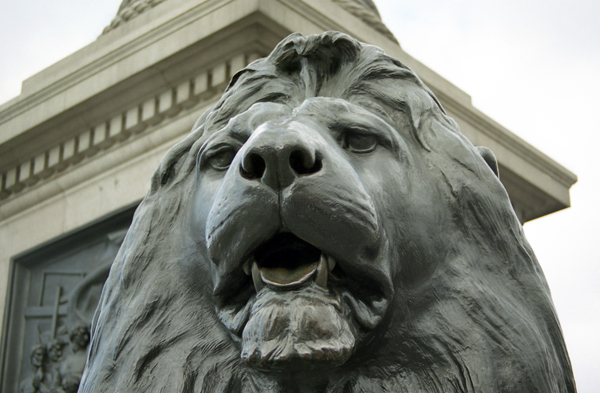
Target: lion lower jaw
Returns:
[[305, 326]]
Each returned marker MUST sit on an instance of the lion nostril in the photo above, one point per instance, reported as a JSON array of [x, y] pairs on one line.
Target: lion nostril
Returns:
[[253, 167], [304, 164]]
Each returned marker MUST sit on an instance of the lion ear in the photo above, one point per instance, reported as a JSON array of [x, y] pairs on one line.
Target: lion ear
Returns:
[[490, 158]]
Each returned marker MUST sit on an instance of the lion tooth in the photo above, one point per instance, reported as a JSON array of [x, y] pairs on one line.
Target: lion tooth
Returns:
[[330, 263], [246, 267], [258, 282], [321, 279]]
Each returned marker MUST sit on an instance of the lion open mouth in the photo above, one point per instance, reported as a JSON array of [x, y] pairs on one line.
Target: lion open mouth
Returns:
[[288, 262]]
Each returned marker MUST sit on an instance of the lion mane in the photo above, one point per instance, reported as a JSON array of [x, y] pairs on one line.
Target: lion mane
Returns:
[[462, 305]]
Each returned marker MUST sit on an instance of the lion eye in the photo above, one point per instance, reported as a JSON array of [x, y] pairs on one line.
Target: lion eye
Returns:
[[360, 143], [221, 159]]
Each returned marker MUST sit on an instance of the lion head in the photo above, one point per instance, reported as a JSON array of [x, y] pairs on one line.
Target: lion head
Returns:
[[326, 228]]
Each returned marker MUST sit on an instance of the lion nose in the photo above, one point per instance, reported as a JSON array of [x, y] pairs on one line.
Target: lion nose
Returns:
[[277, 157]]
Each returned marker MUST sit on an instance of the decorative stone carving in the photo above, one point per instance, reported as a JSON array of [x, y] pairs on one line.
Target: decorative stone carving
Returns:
[[327, 228], [41, 379], [54, 295], [129, 9], [56, 366]]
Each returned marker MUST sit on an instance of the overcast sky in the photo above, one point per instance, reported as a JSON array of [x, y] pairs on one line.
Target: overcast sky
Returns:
[[532, 65]]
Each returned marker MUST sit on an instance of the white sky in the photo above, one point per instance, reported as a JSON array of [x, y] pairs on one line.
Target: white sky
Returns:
[[532, 65]]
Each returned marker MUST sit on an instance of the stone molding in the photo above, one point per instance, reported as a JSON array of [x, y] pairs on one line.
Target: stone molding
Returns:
[[201, 88]]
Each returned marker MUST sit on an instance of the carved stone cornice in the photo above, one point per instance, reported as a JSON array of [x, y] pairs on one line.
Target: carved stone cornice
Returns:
[[122, 126], [365, 10]]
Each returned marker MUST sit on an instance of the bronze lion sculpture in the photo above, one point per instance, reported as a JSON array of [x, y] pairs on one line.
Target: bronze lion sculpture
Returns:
[[327, 228]]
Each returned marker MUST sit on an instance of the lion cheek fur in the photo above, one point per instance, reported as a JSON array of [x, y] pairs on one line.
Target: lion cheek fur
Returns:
[[306, 326]]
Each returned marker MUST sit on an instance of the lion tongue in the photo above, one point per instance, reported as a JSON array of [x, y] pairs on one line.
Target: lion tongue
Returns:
[[281, 277]]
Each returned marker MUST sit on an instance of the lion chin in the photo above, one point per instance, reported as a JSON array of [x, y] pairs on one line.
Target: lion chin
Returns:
[[297, 329]]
